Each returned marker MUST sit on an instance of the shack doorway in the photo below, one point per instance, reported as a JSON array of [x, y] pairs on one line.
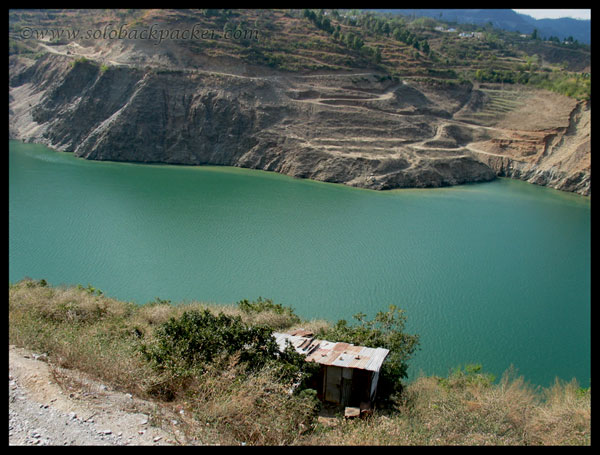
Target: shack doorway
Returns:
[[361, 385], [333, 384], [346, 386]]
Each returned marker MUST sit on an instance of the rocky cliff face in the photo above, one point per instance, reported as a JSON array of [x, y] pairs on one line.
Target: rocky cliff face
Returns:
[[356, 129], [552, 147]]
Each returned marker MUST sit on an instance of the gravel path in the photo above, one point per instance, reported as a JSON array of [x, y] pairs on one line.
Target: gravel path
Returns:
[[84, 412]]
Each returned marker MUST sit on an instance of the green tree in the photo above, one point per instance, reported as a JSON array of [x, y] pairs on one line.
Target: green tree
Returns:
[[357, 42], [377, 56], [326, 25], [534, 34], [349, 39], [386, 330], [309, 14]]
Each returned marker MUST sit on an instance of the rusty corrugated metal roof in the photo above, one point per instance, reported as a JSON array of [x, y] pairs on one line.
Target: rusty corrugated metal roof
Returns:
[[336, 354]]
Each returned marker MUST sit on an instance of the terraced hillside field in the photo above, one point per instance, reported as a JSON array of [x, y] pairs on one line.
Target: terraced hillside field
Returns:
[[353, 123]]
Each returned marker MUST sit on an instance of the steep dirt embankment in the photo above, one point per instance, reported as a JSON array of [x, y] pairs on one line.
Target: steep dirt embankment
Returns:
[[357, 129], [533, 135], [557, 154], [307, 127]]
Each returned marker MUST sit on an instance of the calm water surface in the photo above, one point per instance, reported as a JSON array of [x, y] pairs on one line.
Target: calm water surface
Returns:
[[495, 273]]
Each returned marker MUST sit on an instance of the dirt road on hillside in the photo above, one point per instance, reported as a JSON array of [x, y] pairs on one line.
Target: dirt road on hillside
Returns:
[[76, 410]]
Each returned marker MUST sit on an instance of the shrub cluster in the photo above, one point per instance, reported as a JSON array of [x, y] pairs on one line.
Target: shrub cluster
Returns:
[[227, 375], [385, 330], [184, 348]]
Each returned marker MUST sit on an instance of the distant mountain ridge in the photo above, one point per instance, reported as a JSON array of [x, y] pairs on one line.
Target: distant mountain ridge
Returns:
[[507, 19]]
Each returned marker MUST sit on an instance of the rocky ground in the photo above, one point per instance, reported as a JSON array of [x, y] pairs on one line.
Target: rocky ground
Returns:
[[53, 406], [56, 407]]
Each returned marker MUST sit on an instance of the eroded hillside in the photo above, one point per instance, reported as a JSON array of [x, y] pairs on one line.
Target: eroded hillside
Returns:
[[133, 101]]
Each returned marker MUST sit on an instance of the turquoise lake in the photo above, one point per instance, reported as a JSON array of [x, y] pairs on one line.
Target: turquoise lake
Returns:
[[497, 273]]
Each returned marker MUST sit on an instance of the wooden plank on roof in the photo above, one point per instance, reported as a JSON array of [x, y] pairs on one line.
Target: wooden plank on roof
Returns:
[[302, 333], [304, 343]]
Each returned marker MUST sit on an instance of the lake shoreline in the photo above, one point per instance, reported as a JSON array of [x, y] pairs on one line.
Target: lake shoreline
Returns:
[[139, 232], [231, 167]]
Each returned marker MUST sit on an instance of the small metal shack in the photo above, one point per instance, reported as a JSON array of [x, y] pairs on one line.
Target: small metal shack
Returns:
[[349, 373]]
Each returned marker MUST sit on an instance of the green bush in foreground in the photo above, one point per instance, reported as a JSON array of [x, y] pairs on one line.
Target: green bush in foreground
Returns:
[[385, 330], [187, 346], [227, 399]]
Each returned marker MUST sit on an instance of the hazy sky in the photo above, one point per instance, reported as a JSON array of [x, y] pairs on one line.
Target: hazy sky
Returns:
[[556, 13]]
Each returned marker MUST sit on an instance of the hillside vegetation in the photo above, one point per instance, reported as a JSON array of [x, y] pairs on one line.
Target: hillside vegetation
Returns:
[[317, 40], [216, 364], [352, 97]]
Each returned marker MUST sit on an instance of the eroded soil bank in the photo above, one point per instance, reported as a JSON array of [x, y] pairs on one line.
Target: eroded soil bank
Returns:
[[357, 129]]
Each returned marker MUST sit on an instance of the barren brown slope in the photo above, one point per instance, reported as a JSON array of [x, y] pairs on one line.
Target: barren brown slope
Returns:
[[182, 102], [537, 136], [357, 129]]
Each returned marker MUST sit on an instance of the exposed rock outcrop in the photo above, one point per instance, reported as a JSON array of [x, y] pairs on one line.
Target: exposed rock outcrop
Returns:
[[357, 129], [559, 157]]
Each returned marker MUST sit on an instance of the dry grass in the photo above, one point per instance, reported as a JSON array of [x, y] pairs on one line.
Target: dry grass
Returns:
[[257, 410], [80, 330], [564, 418], [455, 411], [99, 336]]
